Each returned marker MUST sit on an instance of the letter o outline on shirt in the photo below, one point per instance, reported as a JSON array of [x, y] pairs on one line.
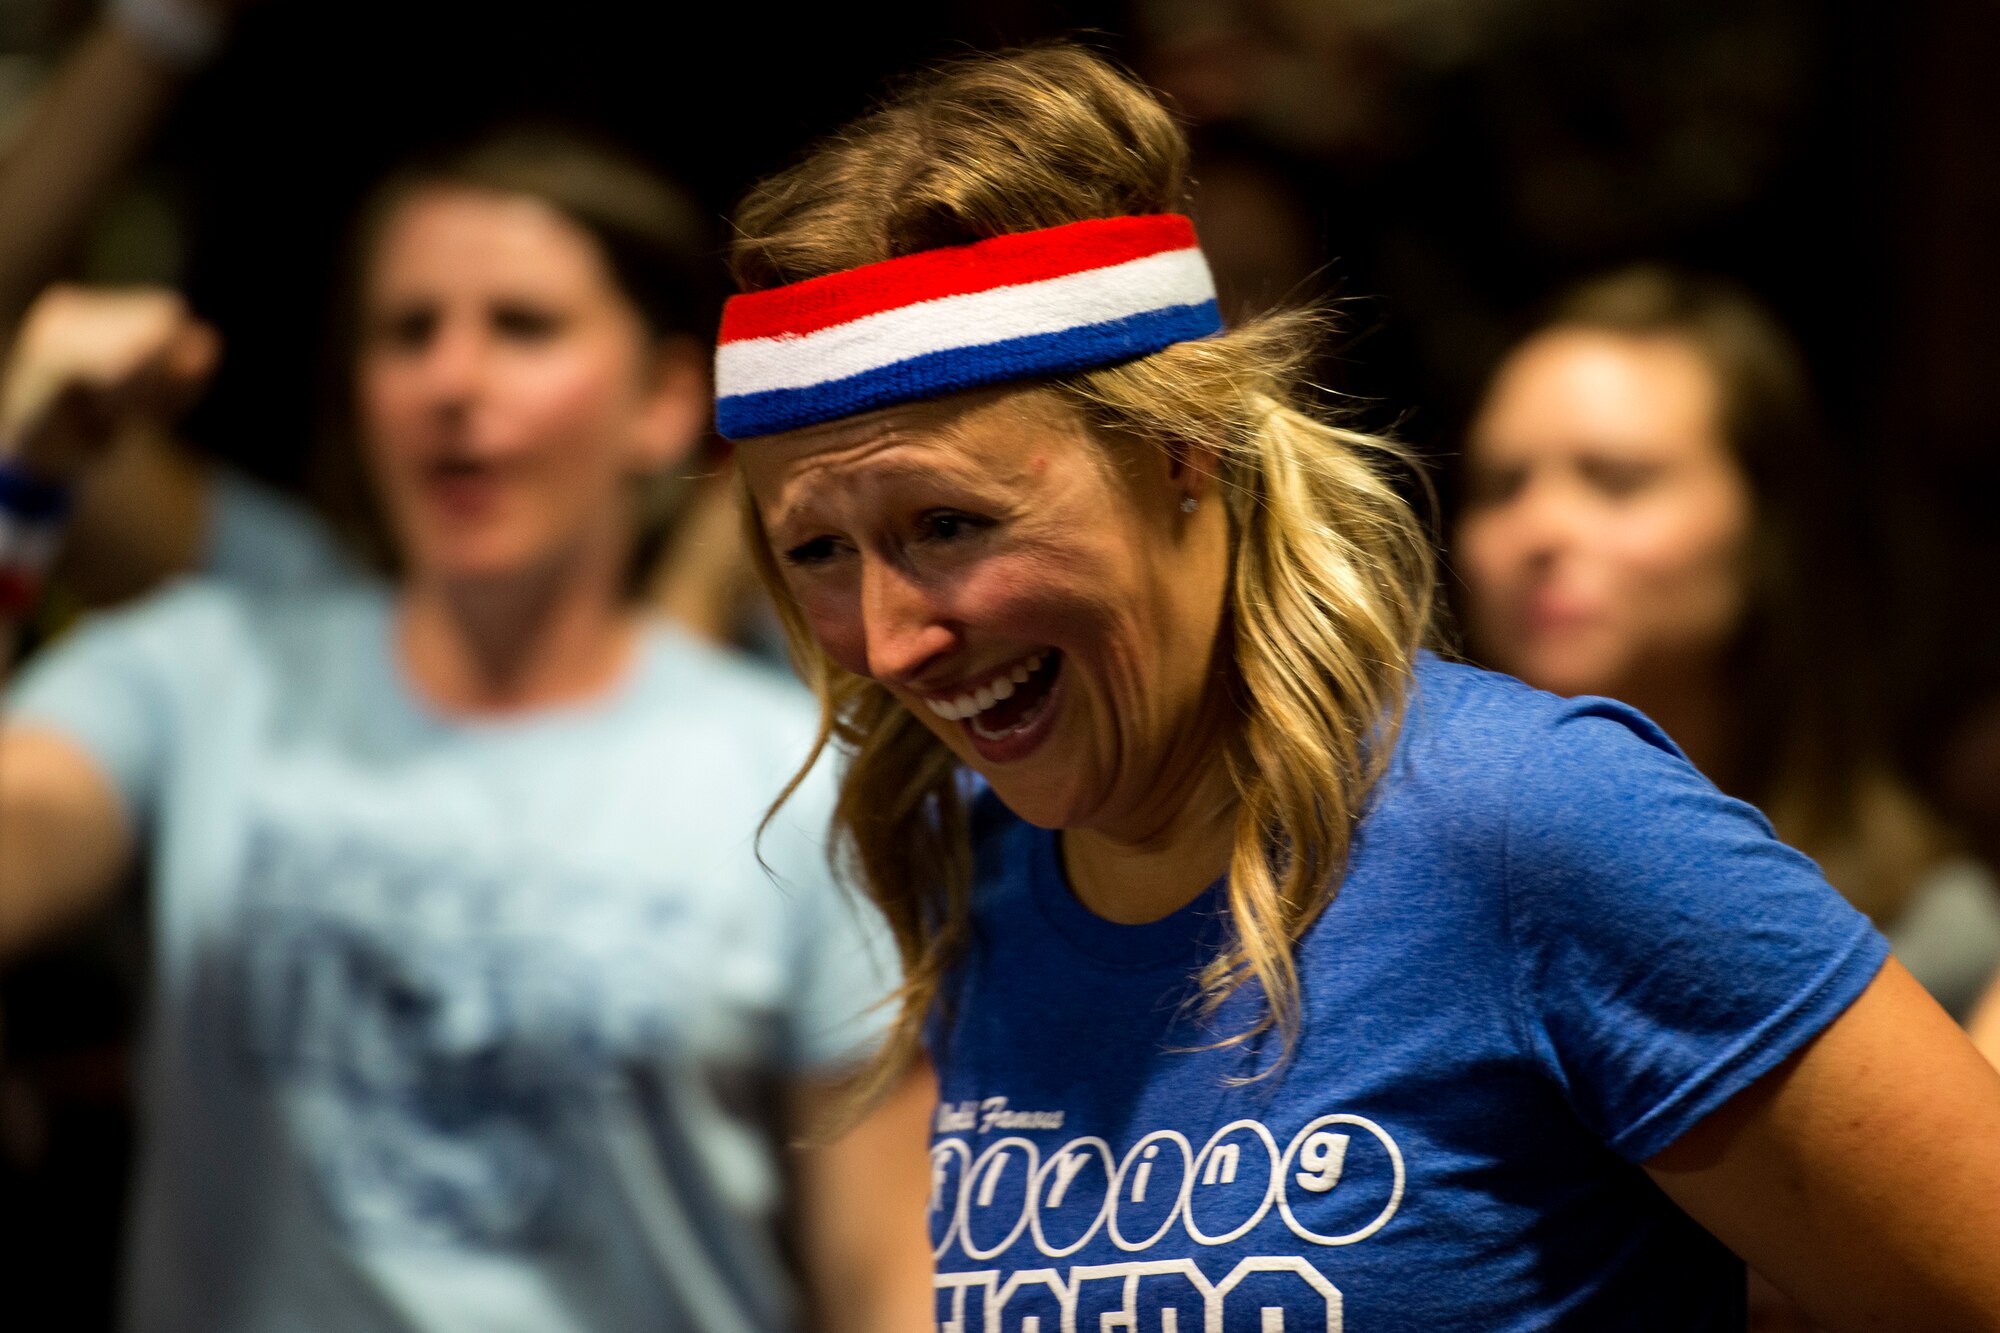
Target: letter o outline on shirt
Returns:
[[1041, 1177], [1179, 1140], [964, 1223], [1272, 1156], [1303, 1232], [945, 1147]]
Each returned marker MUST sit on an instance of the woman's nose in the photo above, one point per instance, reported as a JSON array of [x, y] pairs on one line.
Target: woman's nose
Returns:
[[904, 627], [454, 364], [1544, 519]]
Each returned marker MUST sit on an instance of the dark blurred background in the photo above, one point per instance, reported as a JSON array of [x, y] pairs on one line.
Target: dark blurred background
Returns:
[[1433, 166], [1439, 162], [1437, 165]]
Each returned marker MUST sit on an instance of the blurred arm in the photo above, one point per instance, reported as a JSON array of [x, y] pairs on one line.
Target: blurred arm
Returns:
[[88, 124], [1862, 1175], [87, 366], [64, 837], [93, 378], [1984, 1029], [863, 1200]]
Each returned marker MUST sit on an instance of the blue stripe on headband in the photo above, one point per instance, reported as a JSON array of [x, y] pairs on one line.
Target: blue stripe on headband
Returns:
[[935, 374]]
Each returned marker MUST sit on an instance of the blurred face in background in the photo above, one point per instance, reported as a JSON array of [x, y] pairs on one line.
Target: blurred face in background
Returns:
[[509, 392], [1604, 536]]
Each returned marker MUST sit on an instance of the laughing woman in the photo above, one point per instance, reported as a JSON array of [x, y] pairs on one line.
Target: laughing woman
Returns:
[[1276, 974]]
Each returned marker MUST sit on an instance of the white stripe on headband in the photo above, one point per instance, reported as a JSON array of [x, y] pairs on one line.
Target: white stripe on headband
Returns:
[[1096, 296], [1012, 307]]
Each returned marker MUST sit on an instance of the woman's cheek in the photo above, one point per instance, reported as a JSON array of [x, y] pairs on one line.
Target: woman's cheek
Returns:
[[1035, 595], [391, 412], [835, 622], [565, 401], [1664, 544], [1489, 557]]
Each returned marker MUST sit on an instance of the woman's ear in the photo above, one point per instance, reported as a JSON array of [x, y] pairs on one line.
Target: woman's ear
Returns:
[[1191, 469], [675, 413]]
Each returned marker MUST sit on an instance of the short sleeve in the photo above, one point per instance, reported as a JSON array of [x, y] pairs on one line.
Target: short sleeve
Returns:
[[110, 686], [844, 970], [262, 539], [1668, 948]]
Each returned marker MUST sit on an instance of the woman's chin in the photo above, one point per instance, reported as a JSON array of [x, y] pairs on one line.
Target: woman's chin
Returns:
[[1567, 669], [1056, 794], [480, 561], [1040, 807]]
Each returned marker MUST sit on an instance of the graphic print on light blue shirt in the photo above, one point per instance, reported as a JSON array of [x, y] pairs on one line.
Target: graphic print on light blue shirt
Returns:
[[460, 1025], [435, 1009], [1556, 949]]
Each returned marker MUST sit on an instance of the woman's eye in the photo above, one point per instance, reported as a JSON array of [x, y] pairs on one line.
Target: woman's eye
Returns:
[[525, 323], [406, 330], [815, 552], [945, 525], [1617, 478], [1493, 486]]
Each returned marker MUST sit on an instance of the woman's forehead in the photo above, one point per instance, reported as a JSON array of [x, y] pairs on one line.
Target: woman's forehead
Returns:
[[1602, 377], [990, 432], [444, 233]]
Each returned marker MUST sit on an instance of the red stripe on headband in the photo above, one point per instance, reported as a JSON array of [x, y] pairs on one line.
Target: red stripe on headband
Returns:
[[999, 261]]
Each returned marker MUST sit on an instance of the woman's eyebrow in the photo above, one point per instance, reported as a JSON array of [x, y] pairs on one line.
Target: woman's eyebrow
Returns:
[[789, 516]]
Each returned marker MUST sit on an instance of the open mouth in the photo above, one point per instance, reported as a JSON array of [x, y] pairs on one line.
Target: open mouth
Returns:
[[463, 487], [1024, 706], [1011, 704]]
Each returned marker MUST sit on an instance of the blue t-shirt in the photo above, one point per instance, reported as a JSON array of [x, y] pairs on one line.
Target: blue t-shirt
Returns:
[[459, 1025], [1556, 948]]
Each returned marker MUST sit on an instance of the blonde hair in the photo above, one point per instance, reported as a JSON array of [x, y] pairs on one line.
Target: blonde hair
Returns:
[[1331, 581]]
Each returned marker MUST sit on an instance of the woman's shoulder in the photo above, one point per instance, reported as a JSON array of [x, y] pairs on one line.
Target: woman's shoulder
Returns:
[[1481, 706], [209, 621], [131, 685], [1473, 725], [1481, 755], [260, 537], [711, 680], [1578, 798], [753, 723]]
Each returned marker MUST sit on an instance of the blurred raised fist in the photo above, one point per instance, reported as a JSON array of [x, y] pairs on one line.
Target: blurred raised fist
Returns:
[[88, 361]]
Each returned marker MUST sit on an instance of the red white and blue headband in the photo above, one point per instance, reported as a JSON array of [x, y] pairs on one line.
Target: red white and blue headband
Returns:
[[1022, 306]]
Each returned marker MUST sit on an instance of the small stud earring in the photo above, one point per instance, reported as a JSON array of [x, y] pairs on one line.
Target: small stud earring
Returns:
[[1189, 504]]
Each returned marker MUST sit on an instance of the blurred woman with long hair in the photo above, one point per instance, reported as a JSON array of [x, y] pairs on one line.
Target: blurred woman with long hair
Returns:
[[1650, 513]]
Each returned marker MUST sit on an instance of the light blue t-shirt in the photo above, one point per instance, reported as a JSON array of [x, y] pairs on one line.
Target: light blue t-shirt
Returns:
[[262, 538], [460, 1025], [1557, 947]]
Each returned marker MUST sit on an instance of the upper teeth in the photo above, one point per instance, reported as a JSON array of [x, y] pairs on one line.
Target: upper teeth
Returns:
[[983, 697]]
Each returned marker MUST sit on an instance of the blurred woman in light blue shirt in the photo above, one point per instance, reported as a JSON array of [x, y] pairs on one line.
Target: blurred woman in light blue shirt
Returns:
[[472, 1005]]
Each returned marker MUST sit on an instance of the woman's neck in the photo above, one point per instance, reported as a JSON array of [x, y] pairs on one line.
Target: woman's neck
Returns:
[[1692, 708], [1172, 845], [1135, 882], [490, 646]]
